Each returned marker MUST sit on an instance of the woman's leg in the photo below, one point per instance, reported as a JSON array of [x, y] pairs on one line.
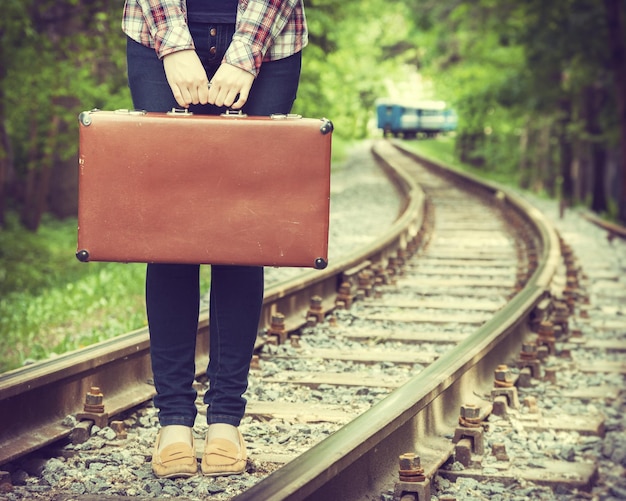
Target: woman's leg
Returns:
[[172, 290], [236, 291]]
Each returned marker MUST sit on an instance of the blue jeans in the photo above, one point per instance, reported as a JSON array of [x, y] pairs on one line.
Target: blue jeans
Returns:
[[173, 290]]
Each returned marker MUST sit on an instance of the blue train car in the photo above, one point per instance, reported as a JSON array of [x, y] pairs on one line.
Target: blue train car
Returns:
[[408, 120]]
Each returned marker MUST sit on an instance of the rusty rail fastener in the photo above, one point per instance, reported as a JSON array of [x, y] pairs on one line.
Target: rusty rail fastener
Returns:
[[504, 393], [470, 416], [470, 429], [93, 408], [381, 275], [94, 401], [503, 377], [365, 280], [410, 469], [529, 350], [344, 296], [528, 360], [546, 336], [316, 312], [277, 328], [393, 268], [560, 315]]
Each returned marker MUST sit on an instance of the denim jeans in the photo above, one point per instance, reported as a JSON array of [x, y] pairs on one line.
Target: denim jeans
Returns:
[[172, 290]]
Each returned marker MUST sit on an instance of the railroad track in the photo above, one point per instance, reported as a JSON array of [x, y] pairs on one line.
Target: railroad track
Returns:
[[460, 285]]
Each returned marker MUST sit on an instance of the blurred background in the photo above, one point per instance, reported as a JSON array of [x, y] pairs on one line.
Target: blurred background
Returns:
[[538, 89]]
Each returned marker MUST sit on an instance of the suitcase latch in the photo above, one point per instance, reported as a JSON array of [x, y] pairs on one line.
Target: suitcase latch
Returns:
[[124, 111], [180, 112], [234, 114], [283, 116]]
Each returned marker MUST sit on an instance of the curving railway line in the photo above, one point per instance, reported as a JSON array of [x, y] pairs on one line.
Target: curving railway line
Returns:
[[434, 334]]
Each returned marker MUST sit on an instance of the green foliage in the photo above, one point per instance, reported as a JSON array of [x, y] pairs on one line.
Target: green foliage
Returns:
[[356, 47], [64, 56], [52, 303], [443, 150], [532, 82]]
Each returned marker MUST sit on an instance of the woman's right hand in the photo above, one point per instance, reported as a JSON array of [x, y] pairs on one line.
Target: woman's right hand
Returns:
[[187, 77]]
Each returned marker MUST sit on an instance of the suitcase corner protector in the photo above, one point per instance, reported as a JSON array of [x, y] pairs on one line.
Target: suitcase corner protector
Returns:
[[85, 118], [320, 263], [82, 255], [327, 126]]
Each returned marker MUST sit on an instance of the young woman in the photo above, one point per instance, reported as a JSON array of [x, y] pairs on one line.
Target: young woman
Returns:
[[207, 55]]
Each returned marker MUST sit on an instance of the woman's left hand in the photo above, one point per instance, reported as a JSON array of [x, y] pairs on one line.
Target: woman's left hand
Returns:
[[229, 82]]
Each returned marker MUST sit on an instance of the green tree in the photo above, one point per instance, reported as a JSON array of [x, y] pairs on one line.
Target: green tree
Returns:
[[537, 85]]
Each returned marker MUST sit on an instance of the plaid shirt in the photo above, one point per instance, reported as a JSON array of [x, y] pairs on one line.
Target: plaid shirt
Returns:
[[266, 30]]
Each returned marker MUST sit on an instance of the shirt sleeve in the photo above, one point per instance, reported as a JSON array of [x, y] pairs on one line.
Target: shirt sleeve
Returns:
[[167, 24], [258, 26]]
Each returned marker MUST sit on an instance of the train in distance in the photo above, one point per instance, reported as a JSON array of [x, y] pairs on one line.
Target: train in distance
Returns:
[[406, 119]]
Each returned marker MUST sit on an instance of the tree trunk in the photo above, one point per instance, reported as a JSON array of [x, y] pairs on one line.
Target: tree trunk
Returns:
[[566, 154], [27, 212], [616, 22], [594, 100], [598, 157], [4, 165], [541, 177], [38, 179], [524, 178]]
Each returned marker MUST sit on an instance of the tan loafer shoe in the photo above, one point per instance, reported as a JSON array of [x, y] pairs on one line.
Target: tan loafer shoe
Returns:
[[175, 460], [221, 457]]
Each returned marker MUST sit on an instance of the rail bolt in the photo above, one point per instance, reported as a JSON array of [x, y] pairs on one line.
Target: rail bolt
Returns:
[[409, 461], [529, 350], [94, 401], [546, 329], [503, 376], [470, 412], [315, 313], [344, 296], [365, 280], [410, 469], [277, 328], [561, 313]]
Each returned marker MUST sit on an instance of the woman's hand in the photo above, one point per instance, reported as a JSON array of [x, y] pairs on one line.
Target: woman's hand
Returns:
[[229, 82], [187, 78]]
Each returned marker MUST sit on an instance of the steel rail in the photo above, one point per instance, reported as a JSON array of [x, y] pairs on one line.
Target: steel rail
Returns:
[[613, 230], [36, 399], [362, 458]]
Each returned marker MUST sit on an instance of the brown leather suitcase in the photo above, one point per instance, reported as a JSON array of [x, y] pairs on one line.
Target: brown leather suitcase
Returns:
[[182, 188]]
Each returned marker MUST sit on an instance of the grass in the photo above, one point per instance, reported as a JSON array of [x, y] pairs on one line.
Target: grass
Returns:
[[441, 149], [52, 303]]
